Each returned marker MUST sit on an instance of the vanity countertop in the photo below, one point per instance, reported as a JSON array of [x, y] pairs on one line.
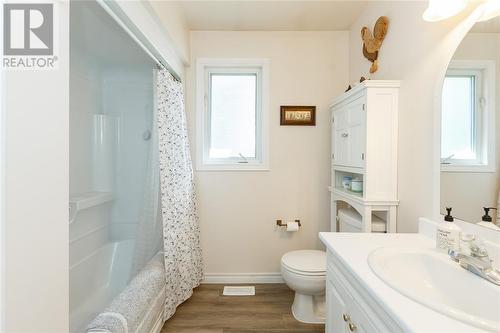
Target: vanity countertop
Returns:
[[353, 249]]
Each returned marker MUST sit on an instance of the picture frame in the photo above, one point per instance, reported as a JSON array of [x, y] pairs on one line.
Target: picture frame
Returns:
[[295, 115]]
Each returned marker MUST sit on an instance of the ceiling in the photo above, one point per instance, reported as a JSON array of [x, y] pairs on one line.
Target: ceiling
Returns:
[[271, 15]]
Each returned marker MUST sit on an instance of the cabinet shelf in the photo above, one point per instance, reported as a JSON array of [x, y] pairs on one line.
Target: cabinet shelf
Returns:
[[356, 170], [347, 195]]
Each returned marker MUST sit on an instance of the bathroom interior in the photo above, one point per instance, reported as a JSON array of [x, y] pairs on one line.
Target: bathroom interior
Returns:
[[254, 167]]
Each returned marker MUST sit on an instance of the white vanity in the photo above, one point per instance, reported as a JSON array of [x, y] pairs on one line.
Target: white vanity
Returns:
[[401, 283]]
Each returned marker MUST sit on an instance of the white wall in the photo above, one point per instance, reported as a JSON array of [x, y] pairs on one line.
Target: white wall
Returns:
[[416, 52], [35, 190], [165, 37], [469, 192], [238, 210]]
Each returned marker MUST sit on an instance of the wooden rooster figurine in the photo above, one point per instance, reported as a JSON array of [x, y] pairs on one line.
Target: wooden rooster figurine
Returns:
[[372, 43]]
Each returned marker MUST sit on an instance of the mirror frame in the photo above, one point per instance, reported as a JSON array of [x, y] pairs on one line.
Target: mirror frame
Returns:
[[457, 35]]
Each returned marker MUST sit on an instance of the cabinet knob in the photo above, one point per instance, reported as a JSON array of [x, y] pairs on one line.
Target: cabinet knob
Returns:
[[345, 135], [346, 317], [352, 327]]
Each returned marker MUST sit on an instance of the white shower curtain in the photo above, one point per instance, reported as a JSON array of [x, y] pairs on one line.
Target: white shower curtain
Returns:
[[181, 234]]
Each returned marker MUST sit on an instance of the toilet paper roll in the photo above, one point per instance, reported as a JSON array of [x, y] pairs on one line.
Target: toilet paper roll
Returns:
[[292, 226]]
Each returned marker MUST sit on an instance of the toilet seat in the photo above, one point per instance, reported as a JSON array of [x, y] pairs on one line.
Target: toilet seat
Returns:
[[305, 262]]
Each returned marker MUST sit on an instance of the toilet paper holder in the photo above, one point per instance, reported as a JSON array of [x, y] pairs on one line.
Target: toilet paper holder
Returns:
[[281, 224]]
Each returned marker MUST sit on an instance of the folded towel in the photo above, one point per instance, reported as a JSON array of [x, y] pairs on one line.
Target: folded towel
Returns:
[[108, 322]]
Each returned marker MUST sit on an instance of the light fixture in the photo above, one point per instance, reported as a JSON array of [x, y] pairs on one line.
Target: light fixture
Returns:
[[442, 9], [489, 9]]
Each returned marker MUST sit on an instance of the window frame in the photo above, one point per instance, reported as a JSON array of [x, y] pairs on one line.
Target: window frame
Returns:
[[485, 136], [205, 67]]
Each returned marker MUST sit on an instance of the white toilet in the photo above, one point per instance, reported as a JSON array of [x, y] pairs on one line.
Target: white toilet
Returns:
[[304, 271]]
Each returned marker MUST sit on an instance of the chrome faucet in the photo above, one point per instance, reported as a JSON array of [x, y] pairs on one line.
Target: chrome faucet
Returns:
[[476, 261]]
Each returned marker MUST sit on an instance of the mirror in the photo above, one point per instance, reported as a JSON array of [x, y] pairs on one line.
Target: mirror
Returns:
[[470, 127]]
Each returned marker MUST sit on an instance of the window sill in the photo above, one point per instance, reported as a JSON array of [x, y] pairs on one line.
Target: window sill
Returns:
[[474, 168], [233, 167]]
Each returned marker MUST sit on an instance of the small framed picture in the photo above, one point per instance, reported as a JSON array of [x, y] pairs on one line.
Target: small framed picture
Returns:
[[298, 115]]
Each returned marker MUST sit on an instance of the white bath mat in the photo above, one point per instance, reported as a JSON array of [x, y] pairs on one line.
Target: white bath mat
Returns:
[[239, 291]]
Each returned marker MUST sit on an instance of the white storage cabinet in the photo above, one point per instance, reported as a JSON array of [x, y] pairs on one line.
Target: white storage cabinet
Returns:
[[364, 146]]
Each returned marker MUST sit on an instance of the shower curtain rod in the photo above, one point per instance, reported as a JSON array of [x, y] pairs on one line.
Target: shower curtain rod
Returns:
[[160, 62]]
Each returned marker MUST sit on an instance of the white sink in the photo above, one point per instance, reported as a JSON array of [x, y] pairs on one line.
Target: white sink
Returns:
[[435, 281]]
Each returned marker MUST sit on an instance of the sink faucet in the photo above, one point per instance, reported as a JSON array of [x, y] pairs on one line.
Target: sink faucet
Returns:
[[477, 262]]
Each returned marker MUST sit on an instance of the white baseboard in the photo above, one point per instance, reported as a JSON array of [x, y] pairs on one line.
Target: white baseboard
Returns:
[[238, 278]]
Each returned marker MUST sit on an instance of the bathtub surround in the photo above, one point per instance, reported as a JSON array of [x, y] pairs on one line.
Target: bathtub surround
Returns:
[[114, 148], [181, 234], [155, 287], [149, 235]]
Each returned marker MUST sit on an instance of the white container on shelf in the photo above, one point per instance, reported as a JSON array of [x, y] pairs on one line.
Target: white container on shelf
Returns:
[[357, 185], [346, 182]]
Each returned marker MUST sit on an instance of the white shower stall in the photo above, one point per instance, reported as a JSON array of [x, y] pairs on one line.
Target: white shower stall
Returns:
[[113, 163]]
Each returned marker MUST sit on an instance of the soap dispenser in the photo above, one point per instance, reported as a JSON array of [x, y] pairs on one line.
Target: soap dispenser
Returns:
[[448, 233], [486, 217]]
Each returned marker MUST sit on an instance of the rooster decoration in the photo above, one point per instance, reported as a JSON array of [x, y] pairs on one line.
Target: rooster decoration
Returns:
[[372, 43]]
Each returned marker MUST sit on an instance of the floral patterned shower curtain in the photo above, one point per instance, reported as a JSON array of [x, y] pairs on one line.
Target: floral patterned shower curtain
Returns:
[[181, 234]]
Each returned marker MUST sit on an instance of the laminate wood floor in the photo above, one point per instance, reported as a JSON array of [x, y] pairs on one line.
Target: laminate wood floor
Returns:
[[269, 311]]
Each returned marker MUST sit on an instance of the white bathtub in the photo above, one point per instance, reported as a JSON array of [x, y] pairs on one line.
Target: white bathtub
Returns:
[[95, 280]]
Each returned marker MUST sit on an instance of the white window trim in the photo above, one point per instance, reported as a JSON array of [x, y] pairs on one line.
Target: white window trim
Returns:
[[202, 161], [486, 116]]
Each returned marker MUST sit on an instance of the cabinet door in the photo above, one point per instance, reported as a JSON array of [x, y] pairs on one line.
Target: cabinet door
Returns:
[[335, 309], [349, 134], [356, 132], [359, 320], [341, 152], [340, 137]]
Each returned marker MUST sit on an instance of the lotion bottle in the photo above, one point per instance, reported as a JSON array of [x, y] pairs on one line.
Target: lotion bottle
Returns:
[[448, 234]]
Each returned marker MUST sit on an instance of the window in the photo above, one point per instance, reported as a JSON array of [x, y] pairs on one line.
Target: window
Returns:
[[231, 114], [467, 118]]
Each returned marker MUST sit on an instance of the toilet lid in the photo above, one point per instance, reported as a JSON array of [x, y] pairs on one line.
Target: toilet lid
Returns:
[[305, 260]]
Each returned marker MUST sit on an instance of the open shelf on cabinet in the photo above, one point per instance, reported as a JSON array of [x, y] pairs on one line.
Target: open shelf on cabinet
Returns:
[[348, 192]]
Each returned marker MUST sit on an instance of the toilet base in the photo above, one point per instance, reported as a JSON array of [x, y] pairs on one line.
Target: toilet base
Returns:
[[309, 309]]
